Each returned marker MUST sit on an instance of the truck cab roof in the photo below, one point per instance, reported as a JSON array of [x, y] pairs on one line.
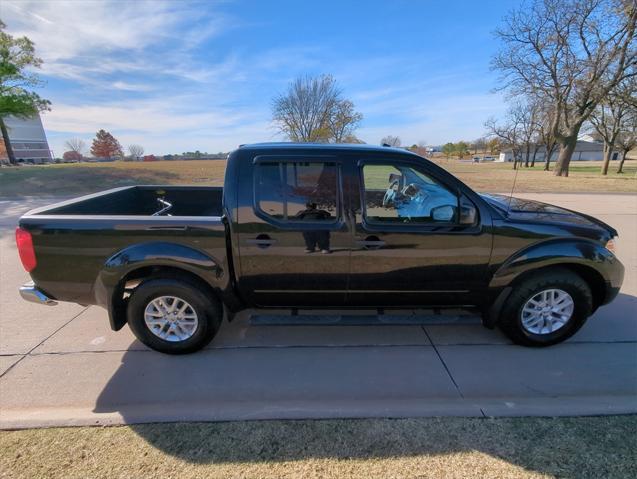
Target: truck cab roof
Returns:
[[324, 147]]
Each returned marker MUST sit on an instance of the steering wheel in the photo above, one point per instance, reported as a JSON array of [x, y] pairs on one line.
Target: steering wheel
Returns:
[[390, 194], [388, 199], [411, 190]]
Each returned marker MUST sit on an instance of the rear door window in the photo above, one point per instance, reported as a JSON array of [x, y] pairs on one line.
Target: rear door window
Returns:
[[297, 191]]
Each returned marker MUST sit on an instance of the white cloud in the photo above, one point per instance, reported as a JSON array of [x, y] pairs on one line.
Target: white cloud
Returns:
[[122, 85], [162, 126], [80, 38], [68, 29]]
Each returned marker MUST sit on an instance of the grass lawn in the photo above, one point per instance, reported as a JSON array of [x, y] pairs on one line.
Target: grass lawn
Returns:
[[586, 447], [82, 178]]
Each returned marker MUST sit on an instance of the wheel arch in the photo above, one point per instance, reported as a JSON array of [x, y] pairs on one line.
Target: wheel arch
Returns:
[[590, 275], [587, 259], [126, 269]]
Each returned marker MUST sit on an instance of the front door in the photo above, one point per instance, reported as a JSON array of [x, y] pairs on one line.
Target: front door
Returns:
[[411, 247], [294, 239]]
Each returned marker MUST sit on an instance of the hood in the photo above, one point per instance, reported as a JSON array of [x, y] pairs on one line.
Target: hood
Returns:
[[530, 210]]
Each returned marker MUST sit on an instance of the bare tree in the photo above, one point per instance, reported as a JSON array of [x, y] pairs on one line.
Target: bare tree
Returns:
[[420, 148], [610, 117], [135, 151], [509, 134], [343, 121], [479, 144], [526, 114], [76, 145], [545, 134], [627, 138], [494, 145], [391, 140], [571, 52], [312, 110]]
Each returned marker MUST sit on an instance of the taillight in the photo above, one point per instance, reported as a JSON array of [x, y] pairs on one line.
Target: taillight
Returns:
[[25, 249]]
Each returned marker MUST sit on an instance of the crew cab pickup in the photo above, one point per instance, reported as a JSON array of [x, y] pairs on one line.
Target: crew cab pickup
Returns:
[[318, 226]]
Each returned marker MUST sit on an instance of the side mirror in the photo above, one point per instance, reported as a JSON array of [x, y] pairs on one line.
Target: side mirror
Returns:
[[468, 212], [442, 213]]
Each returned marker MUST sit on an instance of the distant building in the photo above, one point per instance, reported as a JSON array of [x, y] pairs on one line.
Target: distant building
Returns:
[[28, 140], [584, 151]]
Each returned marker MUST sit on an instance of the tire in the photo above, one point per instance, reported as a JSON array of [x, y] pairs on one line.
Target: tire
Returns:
[[191, 331], [521, 324]]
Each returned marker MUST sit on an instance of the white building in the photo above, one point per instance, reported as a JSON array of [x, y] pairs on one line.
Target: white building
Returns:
[[28, 139], [584, 151]]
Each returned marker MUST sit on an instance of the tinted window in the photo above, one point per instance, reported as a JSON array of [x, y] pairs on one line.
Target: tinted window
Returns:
[[297, 191], [401, 194]]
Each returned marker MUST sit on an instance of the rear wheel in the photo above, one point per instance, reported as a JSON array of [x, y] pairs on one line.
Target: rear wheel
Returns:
[[173, 316], [546, 308]]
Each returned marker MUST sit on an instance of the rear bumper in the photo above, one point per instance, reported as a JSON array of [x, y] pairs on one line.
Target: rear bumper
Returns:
[[30, 292]]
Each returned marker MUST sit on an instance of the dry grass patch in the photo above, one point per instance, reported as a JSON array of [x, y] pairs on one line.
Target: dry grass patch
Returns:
[[583, 177], [83, 178], [435, 447]]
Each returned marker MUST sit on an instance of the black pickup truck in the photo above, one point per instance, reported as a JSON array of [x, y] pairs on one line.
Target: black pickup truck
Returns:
[[318, 226]]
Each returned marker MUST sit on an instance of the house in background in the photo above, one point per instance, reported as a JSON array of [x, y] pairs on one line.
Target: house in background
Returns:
[[584, 151], [28, 140]]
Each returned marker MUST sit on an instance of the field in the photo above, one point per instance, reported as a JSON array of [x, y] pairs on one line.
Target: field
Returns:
[[75, 179], [585, 447]]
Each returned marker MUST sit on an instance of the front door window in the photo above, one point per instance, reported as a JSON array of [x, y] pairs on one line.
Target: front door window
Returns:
[[401, 194]]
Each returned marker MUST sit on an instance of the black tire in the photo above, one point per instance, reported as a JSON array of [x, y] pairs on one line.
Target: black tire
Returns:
[[208, 309], [557, 278]]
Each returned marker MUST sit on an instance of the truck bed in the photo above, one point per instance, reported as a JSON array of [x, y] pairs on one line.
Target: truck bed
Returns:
[[74, 239], [142, 201]]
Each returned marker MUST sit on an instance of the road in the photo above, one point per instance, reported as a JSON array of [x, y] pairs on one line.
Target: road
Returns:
[[63, 366]]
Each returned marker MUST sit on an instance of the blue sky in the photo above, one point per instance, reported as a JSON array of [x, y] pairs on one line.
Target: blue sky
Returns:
[[179, 75]]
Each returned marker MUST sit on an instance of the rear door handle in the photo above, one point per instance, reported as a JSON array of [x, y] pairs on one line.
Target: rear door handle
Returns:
[[262, 241], [371, 242]]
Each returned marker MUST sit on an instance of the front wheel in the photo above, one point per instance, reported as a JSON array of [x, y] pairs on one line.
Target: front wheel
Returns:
[[546, 308], [173, 316]]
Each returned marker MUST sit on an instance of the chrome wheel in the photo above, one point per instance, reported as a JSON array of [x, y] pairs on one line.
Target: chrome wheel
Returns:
[[171, 318], [547, 311]]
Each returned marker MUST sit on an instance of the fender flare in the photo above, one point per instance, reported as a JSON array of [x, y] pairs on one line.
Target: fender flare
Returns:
[[554, 252], [151, 254]]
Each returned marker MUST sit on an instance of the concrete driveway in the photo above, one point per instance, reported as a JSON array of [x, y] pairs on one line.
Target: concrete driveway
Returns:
[[62, 365]]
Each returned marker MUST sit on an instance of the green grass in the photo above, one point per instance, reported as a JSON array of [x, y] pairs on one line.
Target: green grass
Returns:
[[586, 447]]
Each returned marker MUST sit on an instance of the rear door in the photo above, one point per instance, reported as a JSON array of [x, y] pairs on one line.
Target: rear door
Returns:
[[295, 239], [410, 247]]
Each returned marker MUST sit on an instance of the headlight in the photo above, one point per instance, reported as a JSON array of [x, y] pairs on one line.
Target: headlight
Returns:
[[610, 245]]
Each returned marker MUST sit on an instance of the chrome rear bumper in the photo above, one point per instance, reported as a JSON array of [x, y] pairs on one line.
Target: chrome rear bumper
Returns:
[[30, 292]]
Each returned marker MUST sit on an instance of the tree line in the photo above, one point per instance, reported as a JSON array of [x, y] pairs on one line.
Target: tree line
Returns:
[[104, 145]]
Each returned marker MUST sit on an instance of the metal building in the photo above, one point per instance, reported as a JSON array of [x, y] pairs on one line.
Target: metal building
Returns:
[[28, 140]]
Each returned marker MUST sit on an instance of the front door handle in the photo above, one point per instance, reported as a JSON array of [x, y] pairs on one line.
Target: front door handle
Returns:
[[371, 242], [262, 241]]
